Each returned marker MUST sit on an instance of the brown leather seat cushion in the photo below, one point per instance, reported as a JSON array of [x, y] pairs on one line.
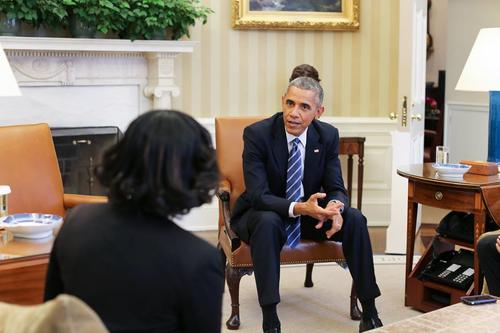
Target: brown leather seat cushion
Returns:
[[306, 252]]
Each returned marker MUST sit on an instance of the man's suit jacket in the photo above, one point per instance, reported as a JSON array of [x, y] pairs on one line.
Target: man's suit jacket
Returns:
[[265, 162]]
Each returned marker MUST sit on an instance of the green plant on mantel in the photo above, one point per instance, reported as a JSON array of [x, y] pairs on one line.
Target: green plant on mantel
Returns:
[[37, 13], [20, 10], [103, 15], [113, 16], [85, 11], [134, 19], [140, 19], [148, 17], [51, 13], [184, 14]]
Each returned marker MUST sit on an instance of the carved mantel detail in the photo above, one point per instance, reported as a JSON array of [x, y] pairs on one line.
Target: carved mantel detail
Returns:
[[60, 62], [161, 86]]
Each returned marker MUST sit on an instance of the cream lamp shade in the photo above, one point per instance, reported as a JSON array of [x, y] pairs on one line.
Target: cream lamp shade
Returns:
[[482, 69], [482, 73], [8, 83]]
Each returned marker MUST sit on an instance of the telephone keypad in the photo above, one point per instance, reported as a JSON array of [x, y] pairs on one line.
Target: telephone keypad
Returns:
[[463, 276], [444, 273]]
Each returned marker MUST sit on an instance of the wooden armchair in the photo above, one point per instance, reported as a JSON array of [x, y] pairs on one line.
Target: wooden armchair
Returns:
[[236, 253], [29, 166]]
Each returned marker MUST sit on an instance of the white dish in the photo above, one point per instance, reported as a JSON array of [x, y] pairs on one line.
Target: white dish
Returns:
[[31, 225], [451, 170]]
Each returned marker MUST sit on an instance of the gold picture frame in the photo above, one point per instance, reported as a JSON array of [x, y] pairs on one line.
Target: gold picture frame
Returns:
[[281, 14]]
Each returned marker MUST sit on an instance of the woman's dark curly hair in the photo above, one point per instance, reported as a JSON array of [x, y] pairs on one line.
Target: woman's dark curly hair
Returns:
[[164, 165]]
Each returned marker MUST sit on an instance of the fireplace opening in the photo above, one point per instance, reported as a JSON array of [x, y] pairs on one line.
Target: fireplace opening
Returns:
[[79, 150]]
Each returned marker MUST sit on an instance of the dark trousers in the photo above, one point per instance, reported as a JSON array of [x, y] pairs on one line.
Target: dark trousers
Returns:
[[265, 232], [489, 260]]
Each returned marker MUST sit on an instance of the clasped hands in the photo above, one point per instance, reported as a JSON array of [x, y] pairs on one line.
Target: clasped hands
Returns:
[[330, 212]]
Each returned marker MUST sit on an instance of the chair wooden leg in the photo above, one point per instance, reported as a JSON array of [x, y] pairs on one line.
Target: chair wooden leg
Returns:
[[223, 258], [233, 276], [308, 283], [355, 312]]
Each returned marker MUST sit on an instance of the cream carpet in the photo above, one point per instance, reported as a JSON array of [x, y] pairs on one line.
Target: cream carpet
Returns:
[[325, 307]]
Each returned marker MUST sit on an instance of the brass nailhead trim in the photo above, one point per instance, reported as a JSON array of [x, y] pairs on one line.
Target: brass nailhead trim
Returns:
[[290, 262]]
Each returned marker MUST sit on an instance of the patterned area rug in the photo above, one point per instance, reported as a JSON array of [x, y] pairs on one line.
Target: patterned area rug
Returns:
[[325, 307]]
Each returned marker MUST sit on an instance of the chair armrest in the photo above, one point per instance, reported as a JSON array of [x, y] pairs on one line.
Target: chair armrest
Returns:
[[224, 186], [223, 193], [72, 200]]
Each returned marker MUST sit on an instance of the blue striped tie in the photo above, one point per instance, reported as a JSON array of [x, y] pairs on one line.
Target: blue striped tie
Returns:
[[293, 185]]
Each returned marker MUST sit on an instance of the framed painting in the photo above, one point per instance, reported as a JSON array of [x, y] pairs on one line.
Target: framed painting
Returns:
[[296, 14]]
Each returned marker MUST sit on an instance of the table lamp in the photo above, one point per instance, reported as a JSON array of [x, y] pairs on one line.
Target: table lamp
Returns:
[[8, 83], [482, 73]]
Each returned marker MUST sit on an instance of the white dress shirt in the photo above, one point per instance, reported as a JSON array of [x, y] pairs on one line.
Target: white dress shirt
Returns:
[[302, 149]]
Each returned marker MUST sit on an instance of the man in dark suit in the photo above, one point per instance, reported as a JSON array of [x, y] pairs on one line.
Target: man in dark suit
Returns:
[[294, 189]]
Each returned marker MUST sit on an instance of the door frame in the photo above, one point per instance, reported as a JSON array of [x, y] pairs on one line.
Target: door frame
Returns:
[[407, 139]]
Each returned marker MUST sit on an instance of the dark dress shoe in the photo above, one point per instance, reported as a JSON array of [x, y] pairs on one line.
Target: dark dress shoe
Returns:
[[369, 324], [273, 330]]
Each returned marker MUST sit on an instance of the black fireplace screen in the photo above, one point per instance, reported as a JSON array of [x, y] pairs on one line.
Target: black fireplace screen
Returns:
[[79, 150]]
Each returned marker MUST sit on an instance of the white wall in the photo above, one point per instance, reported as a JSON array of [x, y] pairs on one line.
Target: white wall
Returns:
[[467, 133], [466, 112], [438, 21], [465, 19]]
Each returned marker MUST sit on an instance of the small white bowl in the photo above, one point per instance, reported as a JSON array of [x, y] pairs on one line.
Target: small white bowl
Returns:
[[451, 170], [31, 225]]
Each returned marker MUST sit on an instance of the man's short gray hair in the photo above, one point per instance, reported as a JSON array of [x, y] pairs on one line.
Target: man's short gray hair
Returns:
[[307, 83]]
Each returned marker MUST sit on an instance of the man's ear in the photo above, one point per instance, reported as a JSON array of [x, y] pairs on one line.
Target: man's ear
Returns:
[[283, 103], [320, 111]]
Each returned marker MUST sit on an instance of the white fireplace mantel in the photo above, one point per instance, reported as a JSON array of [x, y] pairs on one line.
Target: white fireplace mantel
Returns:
[[96, 45], [31, 60]]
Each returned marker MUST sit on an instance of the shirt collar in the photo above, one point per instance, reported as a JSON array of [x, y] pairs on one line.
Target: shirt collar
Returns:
[[302, 137]]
